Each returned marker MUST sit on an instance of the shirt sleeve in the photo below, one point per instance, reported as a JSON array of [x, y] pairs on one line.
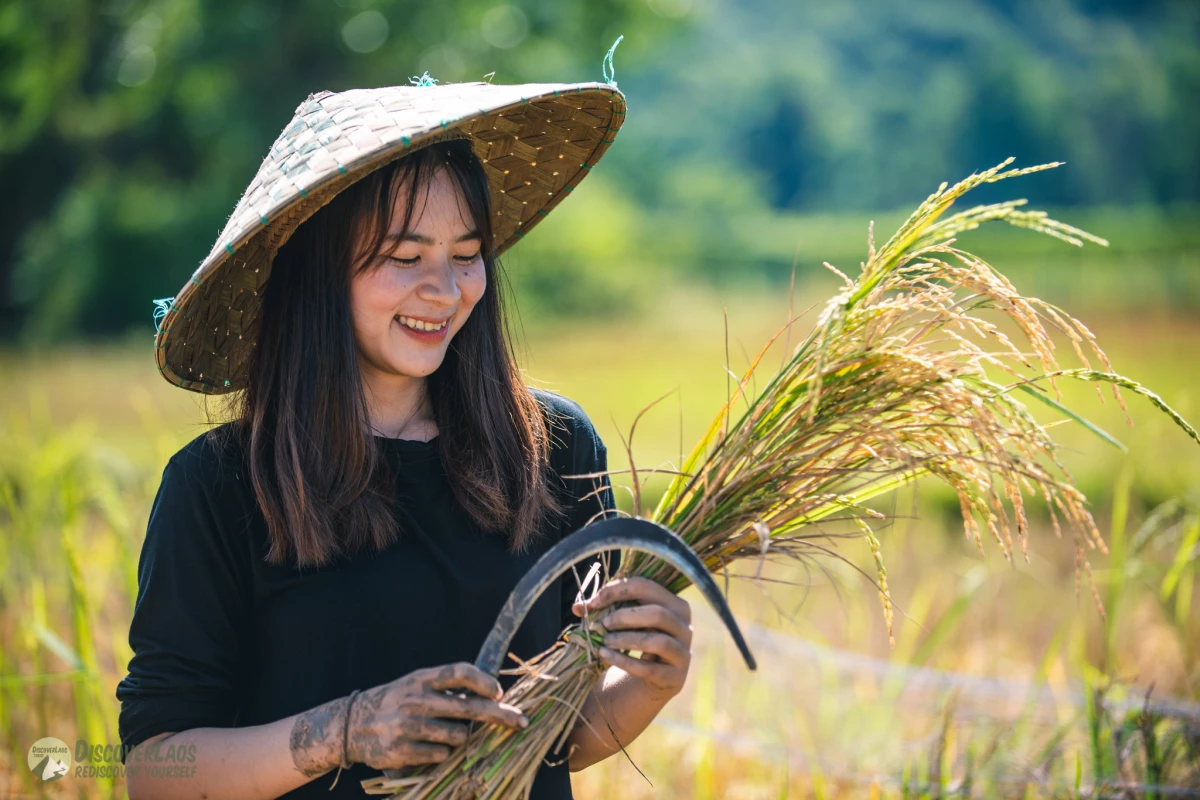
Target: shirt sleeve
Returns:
[[190, 615], [589, 500]]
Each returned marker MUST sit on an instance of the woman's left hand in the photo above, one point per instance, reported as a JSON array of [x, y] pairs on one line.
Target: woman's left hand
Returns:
[[659, 626]]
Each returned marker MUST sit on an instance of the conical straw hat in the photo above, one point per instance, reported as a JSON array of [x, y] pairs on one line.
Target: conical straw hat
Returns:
[[537, 141]]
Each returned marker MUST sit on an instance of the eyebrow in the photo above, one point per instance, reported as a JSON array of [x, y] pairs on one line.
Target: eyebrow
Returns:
[[393, 238]]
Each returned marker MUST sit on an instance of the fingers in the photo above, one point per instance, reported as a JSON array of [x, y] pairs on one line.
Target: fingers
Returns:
[[464, 676], [476, 708], [413, 720], [637, 590], [440, 731], [650, 617], [653, 622], [667, 648], [654, 673]]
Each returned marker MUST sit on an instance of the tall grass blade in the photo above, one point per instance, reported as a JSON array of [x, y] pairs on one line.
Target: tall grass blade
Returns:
[[1041, 396]]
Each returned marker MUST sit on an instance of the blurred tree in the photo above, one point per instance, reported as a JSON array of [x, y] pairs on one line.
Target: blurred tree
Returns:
[[865, 104], [128, 128]]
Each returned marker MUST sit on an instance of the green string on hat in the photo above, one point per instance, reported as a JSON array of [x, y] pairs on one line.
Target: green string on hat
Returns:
[[161, 307], [606, 66], [610, 72]]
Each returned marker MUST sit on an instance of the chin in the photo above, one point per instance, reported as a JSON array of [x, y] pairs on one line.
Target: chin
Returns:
[[415, 370]]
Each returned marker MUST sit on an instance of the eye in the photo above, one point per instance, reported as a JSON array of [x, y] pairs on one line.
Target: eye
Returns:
[[470, 258], [408, 262]]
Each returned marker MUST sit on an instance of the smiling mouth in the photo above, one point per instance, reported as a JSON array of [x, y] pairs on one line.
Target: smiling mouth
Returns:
[[422, 325]]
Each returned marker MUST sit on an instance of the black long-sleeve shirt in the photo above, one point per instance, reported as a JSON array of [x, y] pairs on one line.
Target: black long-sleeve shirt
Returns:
[[221, 638]]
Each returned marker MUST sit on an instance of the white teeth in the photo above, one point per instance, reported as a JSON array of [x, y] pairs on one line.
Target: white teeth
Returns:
[[420, 325]]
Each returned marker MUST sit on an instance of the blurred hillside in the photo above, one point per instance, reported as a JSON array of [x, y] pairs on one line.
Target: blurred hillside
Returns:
[[759, 132]]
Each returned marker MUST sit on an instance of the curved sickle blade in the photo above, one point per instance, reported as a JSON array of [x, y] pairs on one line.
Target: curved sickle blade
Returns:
[[609, 534]]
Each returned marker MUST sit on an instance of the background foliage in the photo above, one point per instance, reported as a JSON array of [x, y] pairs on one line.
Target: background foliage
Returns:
[[128, 128]]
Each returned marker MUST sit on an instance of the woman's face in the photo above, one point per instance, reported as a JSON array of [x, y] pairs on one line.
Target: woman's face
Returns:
[[409, 303]]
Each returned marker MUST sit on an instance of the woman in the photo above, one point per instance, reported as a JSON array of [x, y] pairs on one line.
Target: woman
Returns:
[[318, 573]]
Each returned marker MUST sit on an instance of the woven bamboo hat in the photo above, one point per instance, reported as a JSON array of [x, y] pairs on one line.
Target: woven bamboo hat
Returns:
[[536, 142]]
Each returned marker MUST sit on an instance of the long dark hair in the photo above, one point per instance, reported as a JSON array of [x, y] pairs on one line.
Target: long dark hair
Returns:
[[319, 477]]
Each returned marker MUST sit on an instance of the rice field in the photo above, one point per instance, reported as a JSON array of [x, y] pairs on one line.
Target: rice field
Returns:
[[1001, 683]]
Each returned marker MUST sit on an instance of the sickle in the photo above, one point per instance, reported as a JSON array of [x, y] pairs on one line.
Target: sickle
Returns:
[[609, 534]]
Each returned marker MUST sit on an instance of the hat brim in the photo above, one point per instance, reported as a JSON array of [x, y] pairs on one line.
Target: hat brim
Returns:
[[536, 143]]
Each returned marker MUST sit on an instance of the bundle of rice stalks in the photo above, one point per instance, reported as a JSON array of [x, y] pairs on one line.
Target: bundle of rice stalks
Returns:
[[903, 376]]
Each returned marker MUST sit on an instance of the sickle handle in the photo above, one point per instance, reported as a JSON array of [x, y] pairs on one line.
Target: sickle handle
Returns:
[[621, 532]]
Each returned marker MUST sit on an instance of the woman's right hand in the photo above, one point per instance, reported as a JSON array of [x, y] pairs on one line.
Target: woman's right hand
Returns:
[[413, 720]]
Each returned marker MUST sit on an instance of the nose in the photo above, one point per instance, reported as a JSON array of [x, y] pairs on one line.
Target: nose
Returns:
[[438, 284]]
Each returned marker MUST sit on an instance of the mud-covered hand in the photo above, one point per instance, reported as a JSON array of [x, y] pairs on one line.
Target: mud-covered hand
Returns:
[[419, 717], [655, 623]]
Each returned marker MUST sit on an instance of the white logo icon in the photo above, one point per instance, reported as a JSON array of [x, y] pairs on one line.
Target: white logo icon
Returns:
[[49, 758]]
